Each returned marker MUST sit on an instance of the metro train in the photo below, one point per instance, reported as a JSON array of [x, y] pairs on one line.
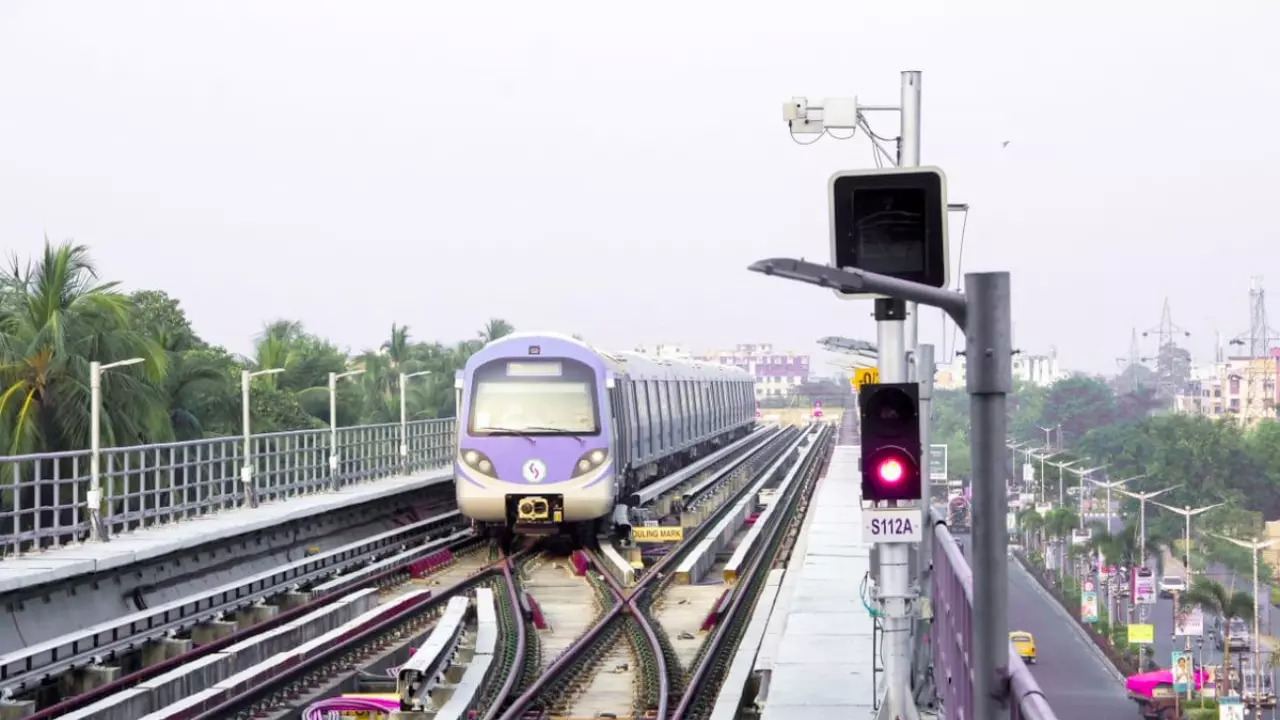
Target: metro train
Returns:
[[552, 432]]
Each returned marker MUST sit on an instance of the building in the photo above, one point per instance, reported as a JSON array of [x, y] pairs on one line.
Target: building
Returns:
[[1041, 370], [1240, 387], [777, 373]]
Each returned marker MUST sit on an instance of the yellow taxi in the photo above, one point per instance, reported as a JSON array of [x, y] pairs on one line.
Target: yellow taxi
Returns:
[[1025, 644]]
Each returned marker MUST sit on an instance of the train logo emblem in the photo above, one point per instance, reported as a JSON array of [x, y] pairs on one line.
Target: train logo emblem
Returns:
[[535, 471]]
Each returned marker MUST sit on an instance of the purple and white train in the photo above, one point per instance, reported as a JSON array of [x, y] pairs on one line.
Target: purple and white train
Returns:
[[552, 432]]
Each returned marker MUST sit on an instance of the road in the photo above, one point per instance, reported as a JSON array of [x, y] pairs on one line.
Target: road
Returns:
[[1071, 672]]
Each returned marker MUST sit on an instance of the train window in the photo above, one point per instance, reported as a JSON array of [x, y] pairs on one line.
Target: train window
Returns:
[[642, 418], [671, 413], [534, 403]]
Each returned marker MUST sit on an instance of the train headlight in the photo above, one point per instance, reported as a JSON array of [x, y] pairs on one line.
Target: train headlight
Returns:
[[477, 461], [590, 461]]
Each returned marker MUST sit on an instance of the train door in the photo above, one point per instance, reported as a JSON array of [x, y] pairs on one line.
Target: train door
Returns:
[[642, 416]]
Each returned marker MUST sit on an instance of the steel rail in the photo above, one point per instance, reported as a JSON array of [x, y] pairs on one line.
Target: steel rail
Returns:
[[83, 699], [809, 468], [570, 655]]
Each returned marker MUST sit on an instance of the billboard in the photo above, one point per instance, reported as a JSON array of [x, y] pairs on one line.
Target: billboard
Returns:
[[1089, 606], [1189, 621], [937, 462]]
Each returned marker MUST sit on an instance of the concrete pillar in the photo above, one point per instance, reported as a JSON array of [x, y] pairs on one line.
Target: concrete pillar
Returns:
[[17, 709], [211, 631], [255, 614], [85, 679], [291, 600], [154, 653]]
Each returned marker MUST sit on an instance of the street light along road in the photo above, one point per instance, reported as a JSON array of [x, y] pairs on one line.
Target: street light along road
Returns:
[[94, 499]]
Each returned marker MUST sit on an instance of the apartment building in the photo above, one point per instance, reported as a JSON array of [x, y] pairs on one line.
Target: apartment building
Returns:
[[1240, 387]]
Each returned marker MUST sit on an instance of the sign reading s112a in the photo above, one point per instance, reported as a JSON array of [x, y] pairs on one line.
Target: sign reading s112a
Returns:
[[892, 525]]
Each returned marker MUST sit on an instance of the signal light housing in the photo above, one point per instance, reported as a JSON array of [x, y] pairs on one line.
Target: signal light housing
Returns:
[[891, 468]]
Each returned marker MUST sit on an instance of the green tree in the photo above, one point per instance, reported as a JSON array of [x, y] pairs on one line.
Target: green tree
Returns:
[[1078, 404], [1214, 599], [55, 317]]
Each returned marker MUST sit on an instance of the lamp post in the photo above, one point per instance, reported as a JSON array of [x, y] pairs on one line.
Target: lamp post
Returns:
[[1142, 499], [1255, 548], [246, 470], [1043, 480], [404, 416], [333, 423], [94, 500], [1082, 475], [1188, 512], [1062, 496], [1046, 431], [1112, 485]]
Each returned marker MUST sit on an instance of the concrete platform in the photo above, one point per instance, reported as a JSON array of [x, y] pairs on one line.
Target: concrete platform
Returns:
[[817, 652], [70, 561]]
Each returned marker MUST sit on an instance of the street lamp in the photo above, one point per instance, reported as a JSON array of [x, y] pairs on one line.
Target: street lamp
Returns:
[[1112, 485], [1046, 431], [404, 415], [1188, 512], [1043, 479], [246, 470], [1062, 496], [1142, 499], [333, 422], [1255, 548], [95, 440], [1083, 474]]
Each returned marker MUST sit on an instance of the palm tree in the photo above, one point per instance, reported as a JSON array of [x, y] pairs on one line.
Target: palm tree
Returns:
[[1032, 524], [55, 317], [494, 329], [1214, 599]]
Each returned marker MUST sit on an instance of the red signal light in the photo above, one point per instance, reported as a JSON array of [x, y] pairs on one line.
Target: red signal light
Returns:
[[891, 470]]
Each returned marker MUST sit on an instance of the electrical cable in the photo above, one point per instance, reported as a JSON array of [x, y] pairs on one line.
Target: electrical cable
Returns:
[[862, 595]]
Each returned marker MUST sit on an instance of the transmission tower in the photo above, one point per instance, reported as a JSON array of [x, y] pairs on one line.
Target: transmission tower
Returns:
[[1134, 360], [1259, 392], [1166, 332]]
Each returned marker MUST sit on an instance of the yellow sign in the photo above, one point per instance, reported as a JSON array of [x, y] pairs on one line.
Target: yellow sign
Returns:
[[658, 534], [1142, 634], [864, 376]]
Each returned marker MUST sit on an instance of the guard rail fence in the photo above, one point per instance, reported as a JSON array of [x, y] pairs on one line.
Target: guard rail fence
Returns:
[[952, 639], [43, 496]]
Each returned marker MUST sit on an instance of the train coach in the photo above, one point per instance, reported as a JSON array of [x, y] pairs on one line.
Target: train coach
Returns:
[[551, 432]]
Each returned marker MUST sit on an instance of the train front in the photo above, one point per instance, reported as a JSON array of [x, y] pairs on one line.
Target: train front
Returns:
[[533, 435]]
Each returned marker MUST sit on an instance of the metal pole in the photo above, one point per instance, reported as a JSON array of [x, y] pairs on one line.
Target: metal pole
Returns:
[[404, 425], [909, 156], [1257, 672], [924, 367], [333, 429], [95, 445], [1062, 493], [989, 351], [1186, 547], [1042, 478], [895, 568], [246, 470]]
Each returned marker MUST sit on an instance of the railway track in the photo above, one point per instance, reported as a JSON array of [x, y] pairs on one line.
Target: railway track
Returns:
[[579, 624]]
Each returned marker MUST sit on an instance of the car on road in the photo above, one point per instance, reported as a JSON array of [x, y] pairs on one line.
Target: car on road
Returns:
[[1025, 644], [1240, 637], [1171, 584]]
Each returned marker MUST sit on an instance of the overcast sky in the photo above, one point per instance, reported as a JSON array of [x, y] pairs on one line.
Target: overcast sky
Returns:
[[571, 166]]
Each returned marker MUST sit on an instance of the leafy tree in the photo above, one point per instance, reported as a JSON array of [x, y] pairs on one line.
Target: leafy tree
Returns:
[[1214, 599], [1078, 404]]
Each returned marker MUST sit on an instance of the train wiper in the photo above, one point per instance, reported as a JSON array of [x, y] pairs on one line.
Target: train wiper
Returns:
[[564, 431], [508, 431]]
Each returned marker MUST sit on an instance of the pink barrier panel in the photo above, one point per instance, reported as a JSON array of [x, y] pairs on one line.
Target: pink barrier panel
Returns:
[[580, 563]]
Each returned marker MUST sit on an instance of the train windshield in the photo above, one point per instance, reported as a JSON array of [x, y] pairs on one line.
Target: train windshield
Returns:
[[534, 397]]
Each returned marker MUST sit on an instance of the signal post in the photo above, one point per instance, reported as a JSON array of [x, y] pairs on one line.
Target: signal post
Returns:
[[888, 237]]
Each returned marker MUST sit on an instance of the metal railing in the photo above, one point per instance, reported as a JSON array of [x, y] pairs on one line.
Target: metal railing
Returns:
[[952, 640], [43, 496]]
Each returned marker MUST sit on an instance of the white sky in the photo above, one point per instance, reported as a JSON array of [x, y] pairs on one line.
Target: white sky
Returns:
[[572, 166]]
